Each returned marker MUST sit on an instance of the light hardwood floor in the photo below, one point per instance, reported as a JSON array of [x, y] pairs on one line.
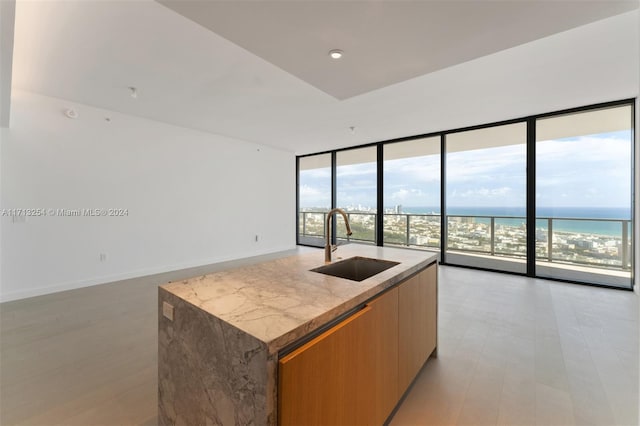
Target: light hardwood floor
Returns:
[[512, 350], [520, 351]]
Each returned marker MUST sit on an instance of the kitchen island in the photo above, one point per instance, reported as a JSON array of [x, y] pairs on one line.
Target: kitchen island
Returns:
[[227, 339]]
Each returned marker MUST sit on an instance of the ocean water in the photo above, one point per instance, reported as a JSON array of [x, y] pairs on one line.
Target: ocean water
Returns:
[[613, 228]]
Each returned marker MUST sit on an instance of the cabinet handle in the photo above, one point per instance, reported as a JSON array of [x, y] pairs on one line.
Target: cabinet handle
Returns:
[[366, 308]]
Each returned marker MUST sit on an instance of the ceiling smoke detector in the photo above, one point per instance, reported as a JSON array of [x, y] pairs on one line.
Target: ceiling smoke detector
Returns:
[[336, 53], [71, 113]]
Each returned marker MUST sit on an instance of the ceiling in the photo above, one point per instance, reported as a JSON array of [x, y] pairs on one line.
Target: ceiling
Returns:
[[385, 42], [259, 70]]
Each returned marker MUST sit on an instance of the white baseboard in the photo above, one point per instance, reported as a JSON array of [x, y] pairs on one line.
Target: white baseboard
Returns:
[[105, 279]]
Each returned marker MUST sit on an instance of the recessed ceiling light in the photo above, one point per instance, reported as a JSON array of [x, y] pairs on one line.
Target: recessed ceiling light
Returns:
[[336, 53]]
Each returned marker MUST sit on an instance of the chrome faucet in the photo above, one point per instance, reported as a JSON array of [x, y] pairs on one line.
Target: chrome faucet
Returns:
[[328, 247]]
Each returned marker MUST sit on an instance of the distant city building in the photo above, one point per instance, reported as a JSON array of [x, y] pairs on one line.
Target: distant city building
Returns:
[[581, 243]]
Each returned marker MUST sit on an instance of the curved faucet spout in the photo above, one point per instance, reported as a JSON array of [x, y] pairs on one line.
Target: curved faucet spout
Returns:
[[328, 248]]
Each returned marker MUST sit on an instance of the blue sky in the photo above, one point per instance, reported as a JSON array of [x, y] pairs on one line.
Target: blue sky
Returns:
[[592, 171]]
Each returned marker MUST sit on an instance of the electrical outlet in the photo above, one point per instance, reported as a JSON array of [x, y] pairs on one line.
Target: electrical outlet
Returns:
[[103, 257], [167, 311]]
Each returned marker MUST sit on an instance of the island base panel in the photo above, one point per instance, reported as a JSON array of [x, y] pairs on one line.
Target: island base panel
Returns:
[[210, 372]]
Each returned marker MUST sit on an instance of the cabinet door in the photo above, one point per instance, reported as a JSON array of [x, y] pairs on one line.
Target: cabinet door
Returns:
[[417, 324], [385, 354], [329, 381]]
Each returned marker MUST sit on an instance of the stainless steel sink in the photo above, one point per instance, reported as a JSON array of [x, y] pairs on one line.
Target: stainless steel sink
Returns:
[[356, 268]]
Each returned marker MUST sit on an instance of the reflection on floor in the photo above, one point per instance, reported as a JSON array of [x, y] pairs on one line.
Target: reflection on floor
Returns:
[[512, 350], [519, 351]]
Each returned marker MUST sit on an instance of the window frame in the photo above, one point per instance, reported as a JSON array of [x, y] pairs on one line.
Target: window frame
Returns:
[[530, 121]]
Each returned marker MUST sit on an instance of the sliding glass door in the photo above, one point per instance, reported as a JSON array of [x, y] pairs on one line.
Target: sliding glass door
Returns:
[[486, 178], [314, 198], [356, 193], [583, 205], [412, 193]]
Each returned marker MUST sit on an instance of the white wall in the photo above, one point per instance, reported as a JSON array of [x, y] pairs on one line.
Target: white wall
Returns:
[[193, 198]]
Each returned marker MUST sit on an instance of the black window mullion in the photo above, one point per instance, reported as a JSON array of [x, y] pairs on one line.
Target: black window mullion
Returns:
[[297, 200], [531, 197], [334, 195], [443, 198], [380, 197], [634, 131]]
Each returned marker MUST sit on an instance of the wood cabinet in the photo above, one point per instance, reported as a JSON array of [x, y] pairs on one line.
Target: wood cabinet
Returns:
[[356, 372], [385, 355], [417, 331], [328, 381]]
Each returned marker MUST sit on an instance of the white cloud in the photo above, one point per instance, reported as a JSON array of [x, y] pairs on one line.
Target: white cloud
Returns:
[[419, 169], [486, 165], [314, 197], [593, 170], [483, 193], [308, 191], [407, 195], [400, 195]]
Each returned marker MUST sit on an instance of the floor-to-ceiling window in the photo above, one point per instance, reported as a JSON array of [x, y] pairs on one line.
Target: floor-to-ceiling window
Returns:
[[356, 192], [549, 195], [583, 196], [314, 198], [486, 197], [412, 193]]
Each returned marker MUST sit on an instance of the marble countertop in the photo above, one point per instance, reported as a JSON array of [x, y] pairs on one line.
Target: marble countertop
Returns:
[[281, 300]]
